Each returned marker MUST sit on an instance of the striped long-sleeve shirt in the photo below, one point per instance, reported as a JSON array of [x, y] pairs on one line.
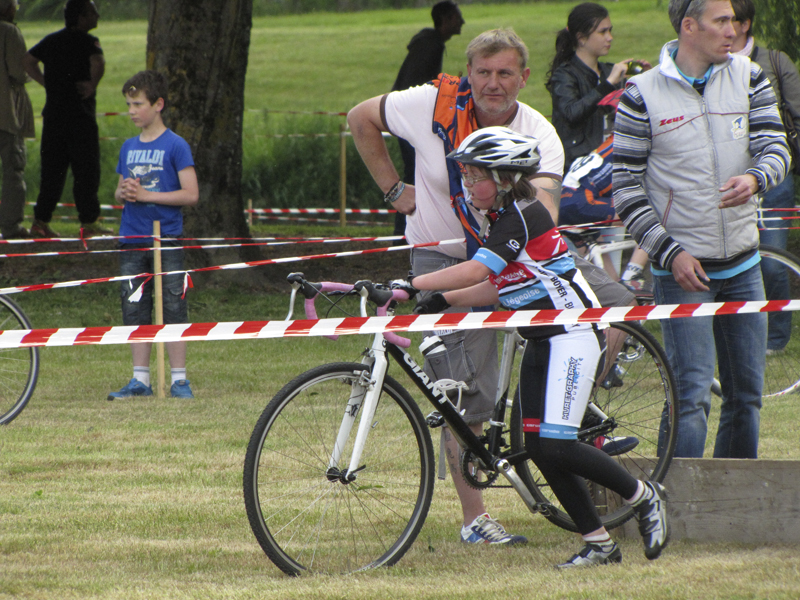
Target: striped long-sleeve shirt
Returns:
[[632, 148]]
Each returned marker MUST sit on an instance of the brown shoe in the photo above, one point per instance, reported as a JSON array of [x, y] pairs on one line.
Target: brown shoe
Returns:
[[92, 229], [40, 230], [20, 233]]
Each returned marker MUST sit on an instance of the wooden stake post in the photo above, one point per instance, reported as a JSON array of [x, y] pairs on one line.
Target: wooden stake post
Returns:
[[159, 302]]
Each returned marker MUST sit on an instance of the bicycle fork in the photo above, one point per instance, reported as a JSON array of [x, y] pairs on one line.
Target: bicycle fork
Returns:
[[364, 396]]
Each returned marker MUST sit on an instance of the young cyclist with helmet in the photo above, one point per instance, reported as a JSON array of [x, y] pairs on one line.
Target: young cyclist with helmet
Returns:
[[524, 263]]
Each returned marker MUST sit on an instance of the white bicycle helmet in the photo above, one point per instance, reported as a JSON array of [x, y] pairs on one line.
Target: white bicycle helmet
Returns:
[[499, 148]]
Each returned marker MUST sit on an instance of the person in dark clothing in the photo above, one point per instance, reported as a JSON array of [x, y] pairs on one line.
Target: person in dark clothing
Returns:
[[73, 66], [422, 64], [577, 80]]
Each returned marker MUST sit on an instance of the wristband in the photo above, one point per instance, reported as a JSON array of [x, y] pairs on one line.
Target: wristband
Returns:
[[394, 193]]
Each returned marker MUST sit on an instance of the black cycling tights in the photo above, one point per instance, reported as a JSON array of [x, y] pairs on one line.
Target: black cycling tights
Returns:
[[565, 464]]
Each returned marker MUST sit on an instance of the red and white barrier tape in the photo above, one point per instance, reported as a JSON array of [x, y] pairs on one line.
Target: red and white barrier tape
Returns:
[[228, 267], [293, 219], [254, 242], [322, 211], [81, 336]]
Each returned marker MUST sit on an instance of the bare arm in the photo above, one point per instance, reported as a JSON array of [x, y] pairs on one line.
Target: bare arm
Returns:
[[31, 65], [366, 127], [119, 196], [462, 275], [97, 68], [548, 192], [131, 190], [481, 294]]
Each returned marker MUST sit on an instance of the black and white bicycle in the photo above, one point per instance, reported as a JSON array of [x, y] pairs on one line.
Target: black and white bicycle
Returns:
[[339, 470]]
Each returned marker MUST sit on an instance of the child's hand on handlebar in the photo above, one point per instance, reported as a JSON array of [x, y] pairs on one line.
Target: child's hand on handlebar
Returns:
[[433, 304], [404, 285]]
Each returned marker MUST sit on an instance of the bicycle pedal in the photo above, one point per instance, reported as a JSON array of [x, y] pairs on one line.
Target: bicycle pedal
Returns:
[[613, 379], [434, 420]]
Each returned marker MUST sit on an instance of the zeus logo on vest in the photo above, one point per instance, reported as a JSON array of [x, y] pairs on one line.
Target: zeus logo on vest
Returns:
[[670, 121], [739, 127]]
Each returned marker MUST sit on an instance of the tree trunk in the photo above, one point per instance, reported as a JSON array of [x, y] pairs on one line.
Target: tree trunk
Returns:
[[202, 46]]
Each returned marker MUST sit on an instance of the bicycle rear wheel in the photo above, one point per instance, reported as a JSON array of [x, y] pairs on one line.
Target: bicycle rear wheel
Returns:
[[308, 521], [643, 406], [19, 367], [782, 369]]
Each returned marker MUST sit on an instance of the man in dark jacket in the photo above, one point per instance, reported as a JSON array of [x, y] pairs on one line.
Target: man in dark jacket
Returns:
[[423, 63]]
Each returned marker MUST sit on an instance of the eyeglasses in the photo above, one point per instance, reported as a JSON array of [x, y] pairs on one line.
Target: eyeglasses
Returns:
[[684, 10], [470, 181]]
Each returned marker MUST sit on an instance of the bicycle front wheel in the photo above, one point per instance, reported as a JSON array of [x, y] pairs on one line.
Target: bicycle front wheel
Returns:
[[19, 367], [640, 405], [306, 519]]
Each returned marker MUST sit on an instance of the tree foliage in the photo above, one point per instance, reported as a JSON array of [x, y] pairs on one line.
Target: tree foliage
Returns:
[[777, 25]]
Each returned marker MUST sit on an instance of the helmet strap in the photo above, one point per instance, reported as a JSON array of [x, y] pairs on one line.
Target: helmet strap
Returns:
[[504, 196]]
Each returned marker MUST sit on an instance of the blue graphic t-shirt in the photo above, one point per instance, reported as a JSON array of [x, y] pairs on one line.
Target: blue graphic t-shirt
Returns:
[[156, 164]]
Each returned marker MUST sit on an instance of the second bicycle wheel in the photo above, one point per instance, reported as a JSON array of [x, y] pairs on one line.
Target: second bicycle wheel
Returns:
[[307, 520], [19, 367], [640, 405], [782, 369]]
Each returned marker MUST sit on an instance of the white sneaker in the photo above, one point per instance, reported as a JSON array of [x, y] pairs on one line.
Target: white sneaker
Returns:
[[485, 530], [652, 517]]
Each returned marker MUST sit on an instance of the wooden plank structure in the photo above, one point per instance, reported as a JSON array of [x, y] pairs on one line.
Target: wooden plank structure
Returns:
[[726, 500]]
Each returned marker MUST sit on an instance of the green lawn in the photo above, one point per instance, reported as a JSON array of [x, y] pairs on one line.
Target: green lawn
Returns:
[[142, 499]]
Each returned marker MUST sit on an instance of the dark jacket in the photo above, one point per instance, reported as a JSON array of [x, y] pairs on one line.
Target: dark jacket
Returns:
[[576, 89]]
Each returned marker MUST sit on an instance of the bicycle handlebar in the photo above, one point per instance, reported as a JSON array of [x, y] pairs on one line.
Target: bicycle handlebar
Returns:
[[378, 295]]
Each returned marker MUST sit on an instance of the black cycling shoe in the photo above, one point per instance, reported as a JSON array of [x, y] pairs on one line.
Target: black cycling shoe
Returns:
[[592, 555]]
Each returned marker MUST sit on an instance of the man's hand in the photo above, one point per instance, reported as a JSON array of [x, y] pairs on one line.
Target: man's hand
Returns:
[[85, 89], [687, 272], [740, 189], [407, 202]]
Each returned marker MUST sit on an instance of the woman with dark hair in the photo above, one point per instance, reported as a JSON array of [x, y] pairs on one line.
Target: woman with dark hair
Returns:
[[577, 80]]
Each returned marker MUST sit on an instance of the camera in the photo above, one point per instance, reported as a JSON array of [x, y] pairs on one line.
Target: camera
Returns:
[[634, 68]]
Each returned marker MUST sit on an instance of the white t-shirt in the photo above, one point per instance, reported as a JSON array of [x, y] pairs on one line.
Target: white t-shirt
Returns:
[[409, 115]]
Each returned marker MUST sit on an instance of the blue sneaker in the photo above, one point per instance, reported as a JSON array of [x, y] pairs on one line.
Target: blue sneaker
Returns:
[[134, 388], [485, 530], [181, 389]]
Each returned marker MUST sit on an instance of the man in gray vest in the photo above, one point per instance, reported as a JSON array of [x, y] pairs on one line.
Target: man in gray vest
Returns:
[[696, 140]]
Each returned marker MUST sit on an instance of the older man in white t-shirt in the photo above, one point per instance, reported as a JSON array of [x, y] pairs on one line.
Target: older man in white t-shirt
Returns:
[[496, 72]]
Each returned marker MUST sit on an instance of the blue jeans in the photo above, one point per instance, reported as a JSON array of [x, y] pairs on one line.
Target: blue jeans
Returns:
[[776, 280], [694, 344], [136, 262]]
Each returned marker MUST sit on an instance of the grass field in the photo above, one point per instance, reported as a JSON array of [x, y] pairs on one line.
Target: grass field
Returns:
[[142, 499]]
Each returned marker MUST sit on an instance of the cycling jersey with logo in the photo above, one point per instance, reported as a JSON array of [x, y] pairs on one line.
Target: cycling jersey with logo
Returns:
[[531, 266]]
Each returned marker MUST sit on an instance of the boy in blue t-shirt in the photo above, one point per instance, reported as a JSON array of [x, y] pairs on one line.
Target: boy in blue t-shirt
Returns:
[[156, 178]]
